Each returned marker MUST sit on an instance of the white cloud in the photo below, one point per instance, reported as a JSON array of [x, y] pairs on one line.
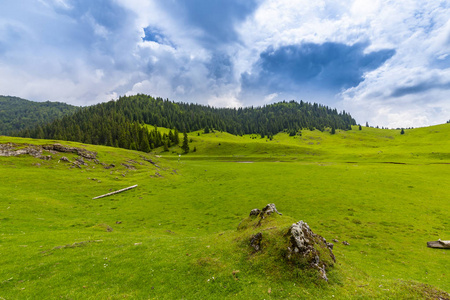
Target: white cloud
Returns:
[[54, 50], [418, 31], [269, 98]]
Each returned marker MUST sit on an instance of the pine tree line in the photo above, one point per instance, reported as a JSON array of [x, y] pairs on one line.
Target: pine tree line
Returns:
[[121, 123], [99, 126], [17, 114], [269, 119]]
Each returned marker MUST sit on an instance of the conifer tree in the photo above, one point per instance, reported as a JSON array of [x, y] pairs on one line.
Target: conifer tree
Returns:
[[145, 145], [176, 137], [185, 146]]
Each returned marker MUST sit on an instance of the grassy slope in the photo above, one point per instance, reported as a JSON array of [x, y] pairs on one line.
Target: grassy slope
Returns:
[[177, 231], [428, 144]]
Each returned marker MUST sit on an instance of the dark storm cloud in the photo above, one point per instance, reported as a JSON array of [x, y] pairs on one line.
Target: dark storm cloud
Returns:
[[330, 66], [419, 88], [220, 67], [217, 19]]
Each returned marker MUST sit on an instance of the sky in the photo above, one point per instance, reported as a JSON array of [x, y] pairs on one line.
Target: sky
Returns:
[[385, 62]]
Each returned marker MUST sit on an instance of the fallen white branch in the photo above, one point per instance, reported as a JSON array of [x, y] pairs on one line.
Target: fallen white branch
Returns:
[[119, 191]]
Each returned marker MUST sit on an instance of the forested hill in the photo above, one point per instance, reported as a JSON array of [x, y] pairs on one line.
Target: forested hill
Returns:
[[269, 119], [17, 114], [114, 123]]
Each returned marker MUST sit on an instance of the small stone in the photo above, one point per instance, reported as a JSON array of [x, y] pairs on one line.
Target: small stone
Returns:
[[255, 241], [255, 212], [268, 210]]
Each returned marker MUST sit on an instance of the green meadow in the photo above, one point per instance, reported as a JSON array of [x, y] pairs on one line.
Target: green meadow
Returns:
[[175, 236]]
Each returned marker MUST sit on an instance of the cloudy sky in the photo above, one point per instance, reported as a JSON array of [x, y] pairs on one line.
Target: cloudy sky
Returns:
[[385, 62]]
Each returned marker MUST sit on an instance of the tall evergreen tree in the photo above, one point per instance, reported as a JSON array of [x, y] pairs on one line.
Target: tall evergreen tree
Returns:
[[176, 137], [333, 131], [145, 145], [185, 145]]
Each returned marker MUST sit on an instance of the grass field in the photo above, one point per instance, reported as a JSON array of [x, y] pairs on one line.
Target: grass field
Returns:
[[175, 236]]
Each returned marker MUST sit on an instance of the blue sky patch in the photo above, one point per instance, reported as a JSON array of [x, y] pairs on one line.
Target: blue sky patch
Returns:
[[156, 35]]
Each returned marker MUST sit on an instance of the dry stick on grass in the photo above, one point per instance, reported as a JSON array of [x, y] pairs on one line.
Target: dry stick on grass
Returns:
[[112, 193]]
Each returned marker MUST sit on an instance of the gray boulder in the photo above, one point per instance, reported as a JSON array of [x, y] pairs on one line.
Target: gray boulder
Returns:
[[310, 248]]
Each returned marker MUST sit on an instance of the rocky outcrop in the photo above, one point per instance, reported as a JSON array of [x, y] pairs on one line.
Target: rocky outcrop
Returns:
[[255, 241], [64, 159], [268, 210], [11, 149], [80, 161], [108, 166], [130, 167], [67, 149], [299, 246], [310, 248], [255, 212], [263, 213]]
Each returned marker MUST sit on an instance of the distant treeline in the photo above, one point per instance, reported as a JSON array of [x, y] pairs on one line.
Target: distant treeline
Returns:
[[269, 119], [17, 114], [121, 123]]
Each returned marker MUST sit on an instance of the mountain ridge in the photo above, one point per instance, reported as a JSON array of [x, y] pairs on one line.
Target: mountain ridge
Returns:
[[18, 114]]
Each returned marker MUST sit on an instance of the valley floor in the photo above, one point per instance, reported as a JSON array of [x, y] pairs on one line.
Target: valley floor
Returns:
[[175, 237]]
